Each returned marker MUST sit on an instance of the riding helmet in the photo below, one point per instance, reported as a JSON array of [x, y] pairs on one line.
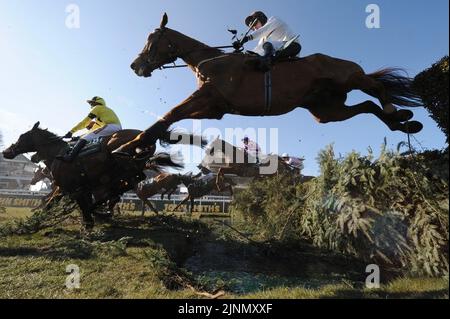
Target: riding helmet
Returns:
[[97, 99], [258, 15]]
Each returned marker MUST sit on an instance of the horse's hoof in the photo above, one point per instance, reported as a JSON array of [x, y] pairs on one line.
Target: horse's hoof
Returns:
[[413, 127], [403, 115]]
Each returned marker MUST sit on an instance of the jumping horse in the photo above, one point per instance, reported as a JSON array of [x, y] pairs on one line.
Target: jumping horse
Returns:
[[93, 179], [229, 83]]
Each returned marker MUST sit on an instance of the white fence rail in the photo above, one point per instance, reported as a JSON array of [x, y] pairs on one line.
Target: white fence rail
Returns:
[[126, 196]]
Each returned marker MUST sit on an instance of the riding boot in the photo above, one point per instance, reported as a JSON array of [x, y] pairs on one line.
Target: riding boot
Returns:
[[266, 60], [70, 156]]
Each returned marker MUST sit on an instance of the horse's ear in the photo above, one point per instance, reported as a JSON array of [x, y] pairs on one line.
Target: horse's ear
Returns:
[[36, 125], [164, 21]]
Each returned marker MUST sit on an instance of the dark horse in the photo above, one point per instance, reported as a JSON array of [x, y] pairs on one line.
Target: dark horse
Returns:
[[199, 187], [93, 179], [164, 183], [230, 84]]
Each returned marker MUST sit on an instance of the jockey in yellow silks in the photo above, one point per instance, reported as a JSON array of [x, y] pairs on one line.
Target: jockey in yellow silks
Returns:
[[101, 121]]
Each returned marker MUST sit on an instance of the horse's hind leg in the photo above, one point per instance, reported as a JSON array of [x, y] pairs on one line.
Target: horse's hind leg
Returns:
[[372, 87], [337, 111]]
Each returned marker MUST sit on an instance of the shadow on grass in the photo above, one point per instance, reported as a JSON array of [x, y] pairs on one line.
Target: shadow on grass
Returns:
[[215, 261]]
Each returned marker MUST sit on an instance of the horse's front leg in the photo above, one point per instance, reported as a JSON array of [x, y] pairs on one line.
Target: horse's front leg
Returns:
[[84, 200], [206, 103], [171, 193], [149, 204], [191, 208]]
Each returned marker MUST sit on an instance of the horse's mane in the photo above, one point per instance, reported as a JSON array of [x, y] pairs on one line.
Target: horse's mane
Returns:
[[197, 42], [46, 133]]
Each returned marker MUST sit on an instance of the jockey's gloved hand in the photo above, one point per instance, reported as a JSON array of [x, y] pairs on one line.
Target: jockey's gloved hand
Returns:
[[68, 135], [237, 45]]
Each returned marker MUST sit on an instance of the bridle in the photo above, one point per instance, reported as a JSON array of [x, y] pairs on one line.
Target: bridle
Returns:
[[174, 52], [16, 150]]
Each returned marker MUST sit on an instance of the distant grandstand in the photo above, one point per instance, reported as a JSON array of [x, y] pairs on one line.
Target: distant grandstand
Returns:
[[16, 173]]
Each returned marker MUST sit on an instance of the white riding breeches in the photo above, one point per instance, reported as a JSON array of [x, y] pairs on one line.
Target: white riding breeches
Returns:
[[106, 130]]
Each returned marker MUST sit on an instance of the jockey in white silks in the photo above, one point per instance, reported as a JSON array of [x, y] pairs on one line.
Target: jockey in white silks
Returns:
[[276, 39]]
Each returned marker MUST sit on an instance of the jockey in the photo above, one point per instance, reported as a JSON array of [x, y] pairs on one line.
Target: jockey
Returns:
[[273, 35], [205, 176], [251, 148], [294, 162], [101, 121]]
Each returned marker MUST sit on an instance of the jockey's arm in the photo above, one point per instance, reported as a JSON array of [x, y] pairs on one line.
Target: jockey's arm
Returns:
[[91, 125], [265, 30], [86, 121]]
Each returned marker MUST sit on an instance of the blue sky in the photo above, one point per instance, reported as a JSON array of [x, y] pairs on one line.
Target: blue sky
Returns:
[[47, 71]]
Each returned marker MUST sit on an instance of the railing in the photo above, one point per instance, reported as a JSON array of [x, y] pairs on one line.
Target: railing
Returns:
[[126, 196]]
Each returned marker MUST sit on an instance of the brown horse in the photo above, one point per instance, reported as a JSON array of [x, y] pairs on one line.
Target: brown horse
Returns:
[[91, 180], [200, 186], [163, 184], [41, 174], [230, 84]]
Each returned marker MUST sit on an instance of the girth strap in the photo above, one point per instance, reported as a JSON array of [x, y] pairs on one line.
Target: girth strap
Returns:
[[268, 91]]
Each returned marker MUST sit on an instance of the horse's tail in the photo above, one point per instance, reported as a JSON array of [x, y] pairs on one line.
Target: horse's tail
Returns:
[[398, 86], [170, 137], [161, 160]]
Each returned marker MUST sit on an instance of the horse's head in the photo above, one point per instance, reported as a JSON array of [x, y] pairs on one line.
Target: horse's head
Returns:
[[25, 144], [158, 51], [38, 176]]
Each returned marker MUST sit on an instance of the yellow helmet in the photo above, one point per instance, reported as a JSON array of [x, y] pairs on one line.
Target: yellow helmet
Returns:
[[97, 100]]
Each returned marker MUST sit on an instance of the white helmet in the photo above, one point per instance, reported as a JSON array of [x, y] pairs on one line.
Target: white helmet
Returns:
[[285, 155]]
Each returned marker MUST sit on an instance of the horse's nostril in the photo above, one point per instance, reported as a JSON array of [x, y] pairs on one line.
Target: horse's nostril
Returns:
[[133, 65]]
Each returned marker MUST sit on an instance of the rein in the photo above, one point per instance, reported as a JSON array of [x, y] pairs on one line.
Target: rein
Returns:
[[175, 54], [202, 62]]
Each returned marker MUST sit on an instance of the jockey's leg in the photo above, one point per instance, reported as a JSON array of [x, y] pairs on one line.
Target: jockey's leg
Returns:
[[266, 60], [291, 51], [106, 130], [70, 156]]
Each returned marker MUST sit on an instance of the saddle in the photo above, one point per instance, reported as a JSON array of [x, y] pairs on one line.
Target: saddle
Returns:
[[93, 147], [255, 59]]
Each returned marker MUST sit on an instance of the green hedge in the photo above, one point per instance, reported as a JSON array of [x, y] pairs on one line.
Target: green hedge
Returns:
[[432, 85], [392, 210]]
